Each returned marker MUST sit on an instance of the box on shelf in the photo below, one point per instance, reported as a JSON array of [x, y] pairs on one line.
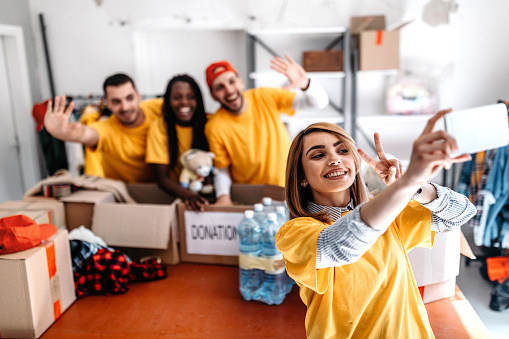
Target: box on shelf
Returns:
[[41, 211], [435, 269], [211, 236], [378, 48], [323, 61], [37, 287]]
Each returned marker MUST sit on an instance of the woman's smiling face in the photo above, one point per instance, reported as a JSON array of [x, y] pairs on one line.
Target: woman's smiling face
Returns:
[[329, 168]]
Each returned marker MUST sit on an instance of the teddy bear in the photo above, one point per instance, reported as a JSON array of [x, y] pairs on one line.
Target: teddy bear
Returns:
[[198, 171]]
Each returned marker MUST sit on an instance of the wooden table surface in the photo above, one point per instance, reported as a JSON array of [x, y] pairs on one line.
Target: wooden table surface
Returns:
[[203, 301]]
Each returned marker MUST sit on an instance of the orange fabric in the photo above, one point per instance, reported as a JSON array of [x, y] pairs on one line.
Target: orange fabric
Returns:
[[19, 233], [379, 37], [498, 268]]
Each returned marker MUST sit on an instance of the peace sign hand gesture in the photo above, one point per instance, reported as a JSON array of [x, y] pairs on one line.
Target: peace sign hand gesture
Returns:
[[388, 169]]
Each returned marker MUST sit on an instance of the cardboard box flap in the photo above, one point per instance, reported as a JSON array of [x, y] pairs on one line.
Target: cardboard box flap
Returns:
[[465, 248], [367, 23], [54, 210], [132, 225], [89, 196], [149, 194], [399, 26]]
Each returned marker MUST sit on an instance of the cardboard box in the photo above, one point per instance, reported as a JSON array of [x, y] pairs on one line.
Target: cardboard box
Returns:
[[378, 48], [147, 228], [79, 206], [436, 269], [211, 236], [43, 211], [441, 290], [37, 286], [323, 61]]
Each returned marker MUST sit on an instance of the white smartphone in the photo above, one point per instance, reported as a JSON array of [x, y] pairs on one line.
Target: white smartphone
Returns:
[[478, 129]]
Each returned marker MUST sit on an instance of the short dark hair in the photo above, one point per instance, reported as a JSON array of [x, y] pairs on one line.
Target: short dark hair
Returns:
[[117, 80]]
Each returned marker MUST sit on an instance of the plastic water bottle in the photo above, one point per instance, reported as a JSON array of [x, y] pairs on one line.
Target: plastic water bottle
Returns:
[[273, 290], [250, 234], [259, 214], [268, 206], [282, 216]]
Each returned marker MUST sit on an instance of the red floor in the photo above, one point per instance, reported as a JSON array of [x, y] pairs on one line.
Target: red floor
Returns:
[[203, 301]]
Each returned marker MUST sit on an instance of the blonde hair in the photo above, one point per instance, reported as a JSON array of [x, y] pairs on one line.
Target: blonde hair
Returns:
[[298, 196]]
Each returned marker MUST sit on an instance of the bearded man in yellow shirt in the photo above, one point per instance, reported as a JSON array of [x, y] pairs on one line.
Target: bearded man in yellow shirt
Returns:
[[121, 138], [246, 133]]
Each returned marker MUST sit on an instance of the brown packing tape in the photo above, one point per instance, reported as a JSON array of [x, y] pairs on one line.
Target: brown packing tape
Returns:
[[53, 277]]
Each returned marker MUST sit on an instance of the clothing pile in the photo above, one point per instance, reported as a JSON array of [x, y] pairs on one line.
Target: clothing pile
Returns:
[[99, 269]]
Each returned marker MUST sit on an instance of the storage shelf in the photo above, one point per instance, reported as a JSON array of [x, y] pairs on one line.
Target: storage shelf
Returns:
[[311, 75], [393, 118], [298, 30]]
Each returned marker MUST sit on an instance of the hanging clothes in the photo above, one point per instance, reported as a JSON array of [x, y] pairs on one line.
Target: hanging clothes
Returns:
[[483, 200], [53, 150], [497, 222]]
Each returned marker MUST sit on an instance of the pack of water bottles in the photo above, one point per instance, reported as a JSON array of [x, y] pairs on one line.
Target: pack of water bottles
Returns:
[[262, 271]]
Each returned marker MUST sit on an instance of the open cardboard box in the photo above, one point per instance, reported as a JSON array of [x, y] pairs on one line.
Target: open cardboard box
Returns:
[[145, 228], [37, 286], [41, 211], [378, 48], [210, 236]]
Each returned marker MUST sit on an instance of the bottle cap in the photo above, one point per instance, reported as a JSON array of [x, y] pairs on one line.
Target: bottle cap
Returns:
[[280, 209], [267, 201], [249, 214], [272, 216], [258, 207]]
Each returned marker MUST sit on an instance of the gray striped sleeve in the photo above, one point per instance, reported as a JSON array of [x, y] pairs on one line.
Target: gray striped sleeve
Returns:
[[348, 238], [345, 241], [450, 210]]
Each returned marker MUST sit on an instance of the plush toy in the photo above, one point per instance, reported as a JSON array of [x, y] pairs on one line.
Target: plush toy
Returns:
[[198, 171]]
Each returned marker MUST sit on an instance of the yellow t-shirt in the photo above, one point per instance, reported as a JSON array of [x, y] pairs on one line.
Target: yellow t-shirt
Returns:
[[123, 148], [93, 159], [254, 144], [157, 145], [374, 297]]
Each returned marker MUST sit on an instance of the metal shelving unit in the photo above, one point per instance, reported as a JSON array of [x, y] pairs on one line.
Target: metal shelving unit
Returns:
[[294, 41]]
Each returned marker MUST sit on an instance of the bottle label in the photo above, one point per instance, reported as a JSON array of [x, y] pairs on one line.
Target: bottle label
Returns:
[[271, 265]]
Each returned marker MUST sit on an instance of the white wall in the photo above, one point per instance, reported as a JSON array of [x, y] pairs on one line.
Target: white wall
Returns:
[[88, 41]]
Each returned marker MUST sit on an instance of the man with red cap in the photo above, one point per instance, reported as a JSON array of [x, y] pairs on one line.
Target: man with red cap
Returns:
[[246, 134]]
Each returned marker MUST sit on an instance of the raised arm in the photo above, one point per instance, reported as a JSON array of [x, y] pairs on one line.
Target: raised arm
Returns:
[[431, 152], [312, 95], [56, 122]]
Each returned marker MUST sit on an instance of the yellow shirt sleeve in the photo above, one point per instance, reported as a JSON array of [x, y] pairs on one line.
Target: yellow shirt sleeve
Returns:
[[157, 143]]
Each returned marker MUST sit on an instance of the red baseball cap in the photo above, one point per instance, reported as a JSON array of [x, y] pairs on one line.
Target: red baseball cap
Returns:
[[19, 233], [216, 69]]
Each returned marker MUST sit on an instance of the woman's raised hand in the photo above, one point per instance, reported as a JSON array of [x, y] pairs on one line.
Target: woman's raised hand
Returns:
[[388, 169], [432, 151]]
